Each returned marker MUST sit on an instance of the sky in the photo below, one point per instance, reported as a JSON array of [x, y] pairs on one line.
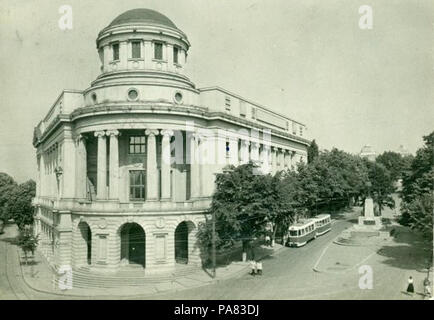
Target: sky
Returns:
[[307, 59]]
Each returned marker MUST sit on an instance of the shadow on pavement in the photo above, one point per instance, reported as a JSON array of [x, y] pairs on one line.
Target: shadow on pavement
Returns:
[[409, 251]]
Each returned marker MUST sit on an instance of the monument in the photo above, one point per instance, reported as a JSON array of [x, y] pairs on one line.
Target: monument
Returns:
[[368, 218]]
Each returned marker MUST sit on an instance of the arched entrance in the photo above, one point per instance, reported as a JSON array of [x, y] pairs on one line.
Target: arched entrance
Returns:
[[86, 241], [183, 242], [133, 244]]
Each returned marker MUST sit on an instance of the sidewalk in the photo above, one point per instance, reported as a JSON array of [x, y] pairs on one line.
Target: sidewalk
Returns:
[[39, 277]]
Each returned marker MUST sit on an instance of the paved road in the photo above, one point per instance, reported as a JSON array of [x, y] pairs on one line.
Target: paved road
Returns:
[[286, 276], [289, 275]]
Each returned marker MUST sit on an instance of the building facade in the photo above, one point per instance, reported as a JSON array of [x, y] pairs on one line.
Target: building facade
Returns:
[[126, 167]]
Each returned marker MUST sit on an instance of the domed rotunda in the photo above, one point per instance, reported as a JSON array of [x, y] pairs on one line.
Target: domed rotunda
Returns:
[[126, 167]]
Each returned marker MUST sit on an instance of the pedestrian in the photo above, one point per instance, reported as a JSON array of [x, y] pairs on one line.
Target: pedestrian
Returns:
[[259, 267], [427, 288], [410, 287], [253, 267]]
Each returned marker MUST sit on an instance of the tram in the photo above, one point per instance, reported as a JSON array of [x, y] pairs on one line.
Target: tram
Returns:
[[307, 229]]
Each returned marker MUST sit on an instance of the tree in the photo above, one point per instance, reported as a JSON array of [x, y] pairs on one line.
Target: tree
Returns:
[[417, 191], [7, 185], [312, 151], [242, 204], [27, 241], [20, 203], [381, 185], [395, 163]]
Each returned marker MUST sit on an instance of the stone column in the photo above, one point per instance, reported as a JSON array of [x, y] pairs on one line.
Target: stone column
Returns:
[[265, 151], [101, 192], [282, 158], [254, 152], [81, 168], [293, 166], [165, 164], [244, 151], [194, 166], [42, 175], [233, 151], [151, 165], [114, 164], [287, 159], [274, 159]]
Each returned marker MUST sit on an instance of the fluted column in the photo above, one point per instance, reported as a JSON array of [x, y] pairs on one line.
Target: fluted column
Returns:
[[293, 165], [274, 159], [281, 162], [265, 159], [114, 164], [194, 166], [286, 155], [254, 152], [101, 189], [151, 165], [244, 151], [165, 164]]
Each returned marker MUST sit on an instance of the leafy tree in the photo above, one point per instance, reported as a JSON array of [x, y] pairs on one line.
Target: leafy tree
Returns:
[[312, 151], [417, 192], [20, 203], [27, 241], [242, 204], [395, 163], [381, 185], [7, 185]]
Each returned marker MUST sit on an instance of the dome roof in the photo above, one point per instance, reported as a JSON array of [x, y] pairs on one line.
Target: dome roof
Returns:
[[143, 16]]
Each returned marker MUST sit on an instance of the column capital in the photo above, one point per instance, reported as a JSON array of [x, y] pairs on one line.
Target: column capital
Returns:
[[114, 132], [99, 134], [166, 132], [255, 144], [150, 132], [79, 138], [275, 148]]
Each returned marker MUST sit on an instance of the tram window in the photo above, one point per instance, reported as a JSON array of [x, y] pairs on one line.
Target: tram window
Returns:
[[293, 233]]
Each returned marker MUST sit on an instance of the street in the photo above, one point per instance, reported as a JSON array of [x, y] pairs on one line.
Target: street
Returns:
[[288, 275]]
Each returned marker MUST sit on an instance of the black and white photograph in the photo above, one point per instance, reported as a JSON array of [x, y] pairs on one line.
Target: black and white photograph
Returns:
[[202, 150]]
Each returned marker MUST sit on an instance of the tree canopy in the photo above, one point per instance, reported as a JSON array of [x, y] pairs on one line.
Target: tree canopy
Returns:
[[16, 201], [395, 163], [312, 151], [417, 190], [7, 185]]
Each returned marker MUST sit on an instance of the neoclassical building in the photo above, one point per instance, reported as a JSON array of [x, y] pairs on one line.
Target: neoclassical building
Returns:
[[126, 168]]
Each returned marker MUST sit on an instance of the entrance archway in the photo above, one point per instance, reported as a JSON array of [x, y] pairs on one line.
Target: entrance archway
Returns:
[[133, 244], [86, 240], [183, 242]]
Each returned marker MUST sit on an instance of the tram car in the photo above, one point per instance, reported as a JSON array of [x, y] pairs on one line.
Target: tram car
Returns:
[[305, 230], [322, 224]]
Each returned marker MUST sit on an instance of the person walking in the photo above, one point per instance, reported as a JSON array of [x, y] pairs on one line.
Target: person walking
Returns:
[[427, 288], [410, 287], [253, 267], [267, 240]]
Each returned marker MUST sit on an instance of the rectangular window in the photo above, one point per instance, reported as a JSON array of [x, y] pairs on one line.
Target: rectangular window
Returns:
[[301, 131], [175, 55], [137, 145], [228, 103], [137, 185], [158, 51], [253, 113], [136, 50], [294, 128], [115, 48]]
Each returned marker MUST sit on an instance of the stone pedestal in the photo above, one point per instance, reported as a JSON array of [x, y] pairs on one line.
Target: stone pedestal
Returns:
[[368, 219]]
